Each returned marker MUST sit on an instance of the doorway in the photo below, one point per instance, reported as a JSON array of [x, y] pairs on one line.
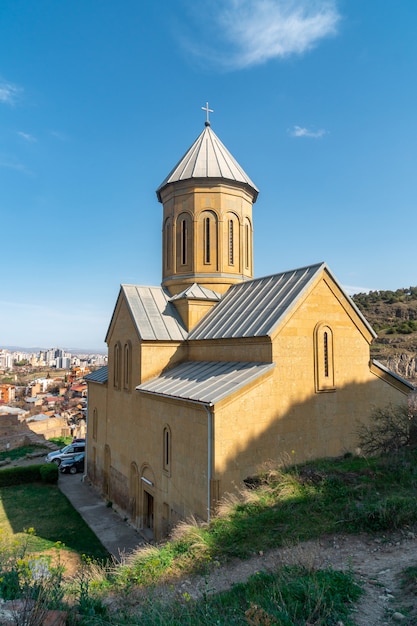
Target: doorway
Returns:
[[148, 511]]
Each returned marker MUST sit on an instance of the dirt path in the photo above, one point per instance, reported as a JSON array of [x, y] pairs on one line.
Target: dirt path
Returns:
[[377, 562]]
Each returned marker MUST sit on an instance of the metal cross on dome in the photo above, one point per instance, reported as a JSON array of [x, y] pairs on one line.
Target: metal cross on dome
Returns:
[[207, 110]]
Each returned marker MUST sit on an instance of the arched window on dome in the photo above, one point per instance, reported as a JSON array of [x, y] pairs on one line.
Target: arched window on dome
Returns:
[[247, 245], [207, 238], [167, 244], [233, 242], [184, 243]]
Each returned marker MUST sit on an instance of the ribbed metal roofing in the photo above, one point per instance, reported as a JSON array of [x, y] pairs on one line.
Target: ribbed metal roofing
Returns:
[[205, 381], [197, 292], [153, 314], [99, 376], [254, 308], [208, 158]]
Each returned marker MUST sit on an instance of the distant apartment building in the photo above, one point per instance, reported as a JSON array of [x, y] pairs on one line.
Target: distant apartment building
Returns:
[[63, 362], [6, 360], [7, 393]]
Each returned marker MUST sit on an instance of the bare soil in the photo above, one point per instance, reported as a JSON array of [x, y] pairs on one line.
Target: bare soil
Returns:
[[377, 562]]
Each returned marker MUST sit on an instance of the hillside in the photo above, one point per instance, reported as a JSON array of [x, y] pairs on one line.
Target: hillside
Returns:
[[393, 315]]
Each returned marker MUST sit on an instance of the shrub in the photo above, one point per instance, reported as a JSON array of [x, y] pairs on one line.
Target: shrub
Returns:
[[49, 473], [389, 429], [29, 474]]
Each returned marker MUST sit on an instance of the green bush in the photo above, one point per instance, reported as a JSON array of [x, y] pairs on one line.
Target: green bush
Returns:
[[28, 474], [49, 473]]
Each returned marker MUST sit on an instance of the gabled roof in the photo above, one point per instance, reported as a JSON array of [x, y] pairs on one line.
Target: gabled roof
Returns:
[[98, 376], [254, 308], [208, 158], [196, 292], [155, 318], [204, 381]]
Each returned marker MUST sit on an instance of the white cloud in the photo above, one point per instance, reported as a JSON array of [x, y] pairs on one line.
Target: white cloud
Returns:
[[58, 135], [14, 165], [8, 93], [252, 32], [351, 290], [26, 136], [299, 131]]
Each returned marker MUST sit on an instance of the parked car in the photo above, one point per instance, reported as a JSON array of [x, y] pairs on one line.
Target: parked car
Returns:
[[65, 453], [73, 465]]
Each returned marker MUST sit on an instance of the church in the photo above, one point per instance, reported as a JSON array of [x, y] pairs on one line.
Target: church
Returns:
[[214, 373]]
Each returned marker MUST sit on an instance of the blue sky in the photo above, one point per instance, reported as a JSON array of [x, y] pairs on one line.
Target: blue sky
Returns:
[[316, 99]]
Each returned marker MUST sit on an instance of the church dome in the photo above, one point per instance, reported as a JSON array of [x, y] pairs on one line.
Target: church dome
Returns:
[[208, 158]]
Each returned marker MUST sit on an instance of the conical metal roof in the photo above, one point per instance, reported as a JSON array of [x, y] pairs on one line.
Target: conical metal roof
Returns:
[[208, 158]]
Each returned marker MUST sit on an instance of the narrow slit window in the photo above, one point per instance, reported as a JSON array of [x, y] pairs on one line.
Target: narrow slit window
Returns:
[[247, 246], [206, 240], [168, 246], [231, 250], [324, 358], [116, 371], [183, 242], [127, 373], [167, 449]]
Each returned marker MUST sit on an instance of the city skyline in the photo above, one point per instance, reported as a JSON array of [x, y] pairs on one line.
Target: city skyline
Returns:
[[315, 100]]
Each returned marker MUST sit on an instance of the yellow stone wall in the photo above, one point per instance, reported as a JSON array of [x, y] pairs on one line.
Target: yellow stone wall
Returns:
[[280, 416], [221, 202]]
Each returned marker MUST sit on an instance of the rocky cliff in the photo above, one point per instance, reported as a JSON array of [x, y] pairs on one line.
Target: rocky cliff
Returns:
[[393, 315]]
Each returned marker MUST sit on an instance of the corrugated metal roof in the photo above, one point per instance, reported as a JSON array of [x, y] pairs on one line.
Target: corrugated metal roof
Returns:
[[155, 317], [98, 376], [197, 292], [254, 308], [205, 381], [208, 158]]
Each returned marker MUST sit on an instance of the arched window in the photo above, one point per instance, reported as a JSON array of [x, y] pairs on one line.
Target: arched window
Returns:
[[184, 242], [206, 240], [117, 366], [168, 244], [127, 366], [183, 227], [231, 243], [166, 462], [248, 245], [232, 234], [323, 354]]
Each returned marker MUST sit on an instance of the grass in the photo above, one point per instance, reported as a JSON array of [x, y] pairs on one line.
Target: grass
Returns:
[[61, 441], [285, 506], [45, 509], [19, 453], [279, 507], [291, 596]]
